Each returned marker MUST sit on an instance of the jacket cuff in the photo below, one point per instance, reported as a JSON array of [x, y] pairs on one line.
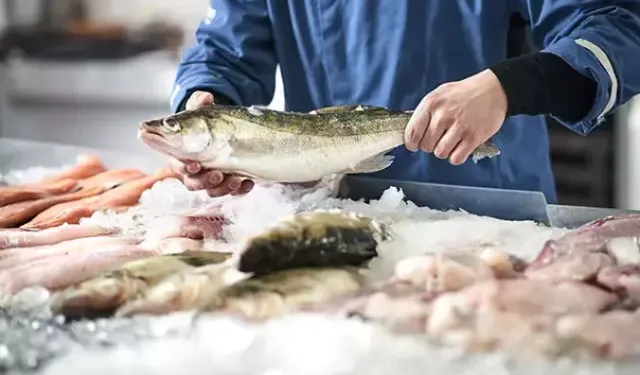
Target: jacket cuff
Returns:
[[591, 61], [222, 94]]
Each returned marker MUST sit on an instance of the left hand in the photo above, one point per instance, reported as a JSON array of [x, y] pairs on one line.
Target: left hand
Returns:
[[455, 118]]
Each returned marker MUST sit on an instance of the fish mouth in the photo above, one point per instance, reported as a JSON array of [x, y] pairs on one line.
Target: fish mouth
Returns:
[[159, 142]]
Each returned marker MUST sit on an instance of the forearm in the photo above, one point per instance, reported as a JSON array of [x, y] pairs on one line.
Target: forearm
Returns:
[[543, 83]]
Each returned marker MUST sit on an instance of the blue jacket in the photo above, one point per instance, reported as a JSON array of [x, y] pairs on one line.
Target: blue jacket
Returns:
[[393, 52]]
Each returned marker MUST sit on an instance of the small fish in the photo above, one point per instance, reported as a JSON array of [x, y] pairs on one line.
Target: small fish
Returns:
[[103, 294], [17, 194], [267, 296], [285, 147], [313, 239], [186, 290]]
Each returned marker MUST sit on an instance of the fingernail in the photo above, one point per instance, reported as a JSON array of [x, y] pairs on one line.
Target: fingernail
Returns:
[[234, 184], [215, 177], [192, 168]]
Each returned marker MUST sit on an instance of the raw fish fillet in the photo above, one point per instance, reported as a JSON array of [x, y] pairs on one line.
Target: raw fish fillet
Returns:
[[613, 335], [103, 294], [10, 258], [62, 271], [19, 213], [16, 194], [194, 227], [87, 166], [23, 238], [124, 195], [575, 266]]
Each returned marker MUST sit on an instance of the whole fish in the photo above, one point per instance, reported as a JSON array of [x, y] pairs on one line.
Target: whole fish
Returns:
[[186, 290], [313, 239], [103, 294], [285, 146], [267, 296]]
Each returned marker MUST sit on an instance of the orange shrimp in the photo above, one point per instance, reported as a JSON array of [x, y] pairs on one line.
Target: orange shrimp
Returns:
[[127, 194]]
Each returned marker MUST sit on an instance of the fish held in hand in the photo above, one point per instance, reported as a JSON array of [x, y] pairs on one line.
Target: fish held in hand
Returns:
[[267, 296], [313, 239], [103, 294], [285, 147]]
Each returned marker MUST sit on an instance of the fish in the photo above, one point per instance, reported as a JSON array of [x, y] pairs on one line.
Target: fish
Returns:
[[313, 239], [187, 290], [285, 147], [22, 238], [102, 295], [268, 296], [59, 272], [86, 166], [10, 258], [123, 195], [17, 194], [20, 213]]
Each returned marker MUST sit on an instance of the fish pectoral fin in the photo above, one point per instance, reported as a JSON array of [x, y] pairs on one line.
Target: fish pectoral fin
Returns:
[[373, 164]]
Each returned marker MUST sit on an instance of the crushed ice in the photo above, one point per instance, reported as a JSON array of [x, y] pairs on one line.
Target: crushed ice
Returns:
[[297, 344]]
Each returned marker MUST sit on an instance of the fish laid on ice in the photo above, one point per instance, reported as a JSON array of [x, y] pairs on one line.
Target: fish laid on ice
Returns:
[[19, 213], [62, 271], [195, 227], [103, 294], [313, 239], [16, 194], [289, 147], [86, 166], [52, 236], [124, 195], [10, 258], [267, 296], [187, 290]]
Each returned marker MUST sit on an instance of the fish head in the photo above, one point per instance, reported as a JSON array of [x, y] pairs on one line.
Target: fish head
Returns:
[[194, 135]]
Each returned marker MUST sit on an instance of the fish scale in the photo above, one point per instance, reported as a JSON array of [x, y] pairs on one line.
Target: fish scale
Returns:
[[284, 146]]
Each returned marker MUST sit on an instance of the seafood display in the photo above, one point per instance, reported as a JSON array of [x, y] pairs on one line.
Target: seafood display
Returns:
[[106, 253], [257, 143]]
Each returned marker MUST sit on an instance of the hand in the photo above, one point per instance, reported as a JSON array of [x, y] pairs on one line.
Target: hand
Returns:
[[455, 118], [194, 177]]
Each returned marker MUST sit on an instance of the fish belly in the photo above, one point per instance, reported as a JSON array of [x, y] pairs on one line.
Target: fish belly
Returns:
[[313, 158]]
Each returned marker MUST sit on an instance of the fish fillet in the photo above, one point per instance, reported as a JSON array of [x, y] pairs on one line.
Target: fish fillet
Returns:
[[15, 257], [87, 166], [62, 271], [124, 195], [16, 194], [22, 238]]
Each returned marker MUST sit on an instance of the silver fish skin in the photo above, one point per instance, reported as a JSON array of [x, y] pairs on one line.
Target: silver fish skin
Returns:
[[286, 147]]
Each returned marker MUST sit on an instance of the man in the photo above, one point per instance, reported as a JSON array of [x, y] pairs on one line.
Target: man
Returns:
[[392, 53]]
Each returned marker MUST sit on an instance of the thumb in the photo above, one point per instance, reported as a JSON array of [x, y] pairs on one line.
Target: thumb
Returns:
[[199, 99]]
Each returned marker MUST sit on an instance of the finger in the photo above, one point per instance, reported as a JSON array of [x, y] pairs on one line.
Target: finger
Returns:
[[462, 152], [207, 179], [418, 123], [220, 190], [198, 99], [233, 182], [246, 187], [447, 143], [437, 127]]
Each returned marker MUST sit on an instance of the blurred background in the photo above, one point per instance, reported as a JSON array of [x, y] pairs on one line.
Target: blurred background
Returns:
[[86, 72]]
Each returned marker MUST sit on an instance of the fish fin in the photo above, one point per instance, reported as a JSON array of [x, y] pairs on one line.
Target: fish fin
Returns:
[[337, 109], [373, 164], [486, 150]]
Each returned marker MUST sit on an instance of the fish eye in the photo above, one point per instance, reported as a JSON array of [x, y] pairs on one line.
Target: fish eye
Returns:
[[171, 125]]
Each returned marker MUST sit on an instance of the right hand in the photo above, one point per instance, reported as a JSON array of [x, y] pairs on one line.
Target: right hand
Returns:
[[195, 177]]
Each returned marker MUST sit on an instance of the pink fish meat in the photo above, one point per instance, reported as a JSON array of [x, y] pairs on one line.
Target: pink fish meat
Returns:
[[194, 227], [10, 258], [24, 238], [62, 271]]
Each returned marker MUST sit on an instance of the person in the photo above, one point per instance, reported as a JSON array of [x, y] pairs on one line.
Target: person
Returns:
[[445, 59]]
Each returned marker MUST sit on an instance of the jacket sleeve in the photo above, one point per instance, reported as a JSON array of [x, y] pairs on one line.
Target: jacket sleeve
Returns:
[[233, 56], [600, 39]]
